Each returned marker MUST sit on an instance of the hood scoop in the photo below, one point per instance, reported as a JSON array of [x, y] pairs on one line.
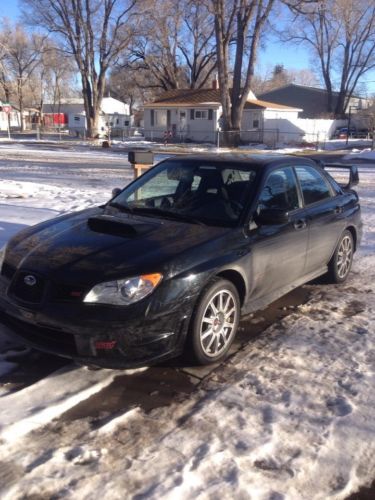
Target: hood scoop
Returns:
[[109, 224]]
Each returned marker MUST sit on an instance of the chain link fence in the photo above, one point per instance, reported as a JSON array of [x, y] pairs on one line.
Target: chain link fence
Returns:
[[59, 132], [272, 138]]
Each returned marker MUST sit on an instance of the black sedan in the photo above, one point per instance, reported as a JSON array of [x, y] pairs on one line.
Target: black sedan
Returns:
[[172, 261]]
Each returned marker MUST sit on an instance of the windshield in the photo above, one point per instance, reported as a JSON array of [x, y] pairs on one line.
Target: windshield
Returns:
[[190, 190]]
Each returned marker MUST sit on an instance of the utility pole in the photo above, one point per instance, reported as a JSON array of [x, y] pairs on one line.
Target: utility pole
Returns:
[[7, 108], [349, 120]]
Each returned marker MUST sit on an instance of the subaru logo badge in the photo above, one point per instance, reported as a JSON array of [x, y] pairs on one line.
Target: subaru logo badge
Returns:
[[29, 280]]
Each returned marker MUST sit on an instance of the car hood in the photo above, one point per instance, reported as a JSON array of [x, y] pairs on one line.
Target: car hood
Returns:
[[101, 244]]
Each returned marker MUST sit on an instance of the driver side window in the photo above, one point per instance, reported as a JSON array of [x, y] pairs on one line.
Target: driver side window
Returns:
[[280, 191]]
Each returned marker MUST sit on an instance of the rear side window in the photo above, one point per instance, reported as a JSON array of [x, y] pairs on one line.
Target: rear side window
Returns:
[[314, 186], [280, 191]]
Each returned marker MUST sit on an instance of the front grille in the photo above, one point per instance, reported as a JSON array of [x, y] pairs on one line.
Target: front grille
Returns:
[[66, 293], [8, 271], [32, 292]]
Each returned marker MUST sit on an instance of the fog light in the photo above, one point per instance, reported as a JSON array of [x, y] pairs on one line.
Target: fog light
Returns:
[[106, 345]]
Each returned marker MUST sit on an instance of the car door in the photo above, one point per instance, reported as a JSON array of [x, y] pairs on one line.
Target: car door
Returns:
[[324, 216], [278, 250]]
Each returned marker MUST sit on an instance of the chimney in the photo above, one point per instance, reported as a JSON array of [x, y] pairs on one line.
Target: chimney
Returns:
[[215, 83]]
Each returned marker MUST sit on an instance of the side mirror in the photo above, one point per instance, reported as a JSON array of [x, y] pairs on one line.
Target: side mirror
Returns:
[[271, 216], [116, 191]]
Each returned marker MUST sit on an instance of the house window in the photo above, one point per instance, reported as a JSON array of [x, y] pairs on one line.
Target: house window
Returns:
[[126, 123], [158, 118], [255, 123], [201, 114]]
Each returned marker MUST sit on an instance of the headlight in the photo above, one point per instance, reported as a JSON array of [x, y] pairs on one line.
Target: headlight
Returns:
[[2, 255], [123, 292]]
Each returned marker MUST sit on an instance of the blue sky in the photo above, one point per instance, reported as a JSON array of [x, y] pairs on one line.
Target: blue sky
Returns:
[[274, 52], [9, 8]]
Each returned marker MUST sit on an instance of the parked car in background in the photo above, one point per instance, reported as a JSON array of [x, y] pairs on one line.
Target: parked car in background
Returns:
[[342, 133], [354, 133], [172, 261]]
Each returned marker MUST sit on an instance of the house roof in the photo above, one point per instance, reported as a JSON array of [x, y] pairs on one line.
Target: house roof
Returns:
[[206, 97], [313, 100], [309, 87], [260, 104], [12, 104], [186, 97]]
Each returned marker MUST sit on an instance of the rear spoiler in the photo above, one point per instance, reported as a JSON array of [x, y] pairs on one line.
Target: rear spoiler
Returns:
[[353, 173]]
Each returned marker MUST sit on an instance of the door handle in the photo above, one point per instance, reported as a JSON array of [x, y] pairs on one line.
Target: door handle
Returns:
[[299, 224], [338, 210]]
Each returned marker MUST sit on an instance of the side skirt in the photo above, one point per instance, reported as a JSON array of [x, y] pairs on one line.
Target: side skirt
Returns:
[[261, 303]]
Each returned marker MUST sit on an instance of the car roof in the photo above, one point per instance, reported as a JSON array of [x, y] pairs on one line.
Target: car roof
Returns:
[[252, 160]]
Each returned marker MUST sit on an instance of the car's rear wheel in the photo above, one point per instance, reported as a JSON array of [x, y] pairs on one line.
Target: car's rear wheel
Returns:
[[341, 262], [215, 322]]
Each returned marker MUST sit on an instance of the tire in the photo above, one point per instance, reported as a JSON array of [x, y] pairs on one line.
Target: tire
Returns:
[[341, 262], [214, 322]]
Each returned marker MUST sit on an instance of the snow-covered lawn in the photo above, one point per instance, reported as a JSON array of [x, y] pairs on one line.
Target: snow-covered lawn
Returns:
[[291, 415], [365, 154], [341, 144]]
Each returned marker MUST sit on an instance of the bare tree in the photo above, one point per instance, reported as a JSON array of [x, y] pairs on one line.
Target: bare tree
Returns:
[[60, 77], [127, 85], [156, 48], [21, 56], [176, 47], [238, 28], [95, 32], [197, 43], [5, 79], [52, 79], [341, 35]]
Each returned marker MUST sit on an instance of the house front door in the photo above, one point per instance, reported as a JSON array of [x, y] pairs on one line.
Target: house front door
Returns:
[[182, 120]]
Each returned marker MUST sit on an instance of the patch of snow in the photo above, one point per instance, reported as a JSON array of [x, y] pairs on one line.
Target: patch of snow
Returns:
[[27, 410], [341, 144], [366, 154]]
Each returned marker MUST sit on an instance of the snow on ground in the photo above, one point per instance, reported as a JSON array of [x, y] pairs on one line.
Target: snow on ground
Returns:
[[365, 154], [340, 144], [290, 416]]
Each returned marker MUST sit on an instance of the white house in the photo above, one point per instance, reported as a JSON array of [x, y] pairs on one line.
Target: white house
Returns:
[[194, 115], [115, 115], [14, 118]]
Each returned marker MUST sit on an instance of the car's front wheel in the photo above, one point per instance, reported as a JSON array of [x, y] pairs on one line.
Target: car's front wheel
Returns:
[[215, 322], [342, 259]]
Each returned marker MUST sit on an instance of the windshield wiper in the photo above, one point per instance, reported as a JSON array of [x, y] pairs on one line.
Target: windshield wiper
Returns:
[[121, 206], [159, 212]]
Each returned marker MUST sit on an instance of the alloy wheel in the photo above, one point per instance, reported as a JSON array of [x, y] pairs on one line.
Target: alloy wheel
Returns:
[[344, 256], [218, 323]]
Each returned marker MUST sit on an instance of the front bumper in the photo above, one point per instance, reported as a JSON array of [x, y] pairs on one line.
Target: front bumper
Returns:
[[113, 337]]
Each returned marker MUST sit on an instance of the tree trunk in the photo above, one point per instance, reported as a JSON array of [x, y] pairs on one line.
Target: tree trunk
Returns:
[[7, 99], [92, 98], [222, 60], [232, 26], [20, 103], [340, 105]]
